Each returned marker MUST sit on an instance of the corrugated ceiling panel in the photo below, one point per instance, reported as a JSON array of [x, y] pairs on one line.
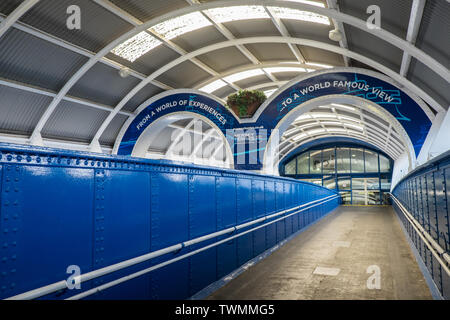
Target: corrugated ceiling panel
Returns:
[[144, 94], [321, 56], [199, 38], [8, 6], [149, 62], [374, 48], [253, 81], [103, 84], [184, 75], [27, 59], [252, 28], [394, 14], [146, 9], [224, 59], [271, 51], [434, 32], [308, 30], [109, 136], [74, 122], [98, 26], [20, 110], [430, 82], [224, 92]]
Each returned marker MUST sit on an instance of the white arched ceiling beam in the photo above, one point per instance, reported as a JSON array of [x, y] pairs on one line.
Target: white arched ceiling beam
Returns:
[[338, 16], [15, 15], [376, 143], [248, 67], [291, 143], [95, 144], [267, 85]]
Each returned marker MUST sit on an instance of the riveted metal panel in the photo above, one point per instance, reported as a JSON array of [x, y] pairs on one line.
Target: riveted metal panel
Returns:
[[226, 193], [271, 230], [169, 226], [42, 205], [202, 221], [280, 205], [431, 195], [244, 214], [95, 210], [441, 208]]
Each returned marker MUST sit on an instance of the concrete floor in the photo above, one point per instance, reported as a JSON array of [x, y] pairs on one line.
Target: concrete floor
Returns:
[[350, 239]]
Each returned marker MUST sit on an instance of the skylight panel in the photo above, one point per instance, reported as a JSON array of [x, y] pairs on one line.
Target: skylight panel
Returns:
[[284, 69], [243, 75], [313, 3], [180, 25], [320, 65], [213, 86], [298, 137], [294, 14], [228, 14], [136, 46]]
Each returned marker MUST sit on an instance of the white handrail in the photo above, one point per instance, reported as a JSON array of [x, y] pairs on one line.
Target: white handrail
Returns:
[[42, 291], [434, 247], [160, 265]]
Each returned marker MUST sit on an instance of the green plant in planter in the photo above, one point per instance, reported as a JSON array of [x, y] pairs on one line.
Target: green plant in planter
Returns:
[[246, 102]]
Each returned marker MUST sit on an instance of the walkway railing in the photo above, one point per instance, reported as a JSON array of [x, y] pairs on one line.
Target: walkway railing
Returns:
[[110, 217]]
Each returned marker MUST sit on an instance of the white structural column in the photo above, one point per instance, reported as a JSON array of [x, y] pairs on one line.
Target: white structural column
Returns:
[[15, 15], [332, 4], [413, 30], [358, 23]]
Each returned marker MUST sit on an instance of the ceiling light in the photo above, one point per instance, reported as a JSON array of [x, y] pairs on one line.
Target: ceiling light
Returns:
[[284, 69], [343, 106], [294, 14], [136, 46], [213, 86], [312, 132], [335, 35], [320, 65], [298, 137], [243, 75], [354, 126], [227, 14], [180, 25], [313, 3]]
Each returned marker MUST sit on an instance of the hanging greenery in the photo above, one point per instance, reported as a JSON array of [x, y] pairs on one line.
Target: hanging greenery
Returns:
[[246, 102]]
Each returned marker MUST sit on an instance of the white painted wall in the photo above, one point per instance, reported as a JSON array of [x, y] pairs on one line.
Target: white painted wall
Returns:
[[441, 142], [401, 168]]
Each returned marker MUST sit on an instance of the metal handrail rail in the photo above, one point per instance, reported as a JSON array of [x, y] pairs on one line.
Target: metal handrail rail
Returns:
[[42, 291], [438, 252]]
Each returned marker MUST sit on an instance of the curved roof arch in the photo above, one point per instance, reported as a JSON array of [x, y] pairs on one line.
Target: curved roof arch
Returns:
[[110, 114]]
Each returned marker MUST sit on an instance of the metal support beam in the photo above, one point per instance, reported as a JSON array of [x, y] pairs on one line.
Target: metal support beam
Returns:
[[48, 93], [332, 4], [16, 15], [358, 23], [413, 30]]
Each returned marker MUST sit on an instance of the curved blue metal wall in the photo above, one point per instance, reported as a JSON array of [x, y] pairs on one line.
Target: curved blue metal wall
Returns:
[[61, 208], [425, 193]]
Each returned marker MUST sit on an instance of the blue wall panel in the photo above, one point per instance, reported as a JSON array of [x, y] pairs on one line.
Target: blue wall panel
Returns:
[[169, 226], [226, 218], [61, 208], [425, 194], [202, 221], [59, 201]]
